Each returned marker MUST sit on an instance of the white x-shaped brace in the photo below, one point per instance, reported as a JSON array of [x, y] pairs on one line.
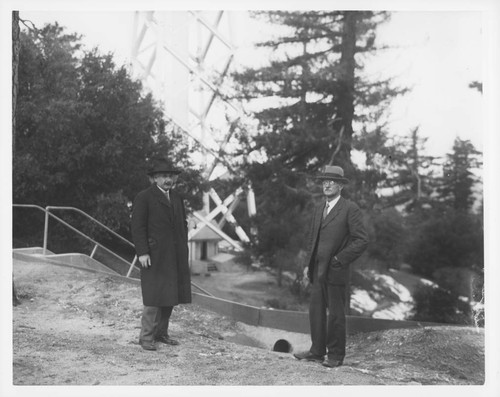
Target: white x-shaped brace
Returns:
[[225, 207]]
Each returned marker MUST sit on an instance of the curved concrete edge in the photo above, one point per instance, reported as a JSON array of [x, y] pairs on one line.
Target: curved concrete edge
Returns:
[[294, 321], [81, 260], [237, 311], [48, 259], [76, 259], [32, 251], [291, 321]]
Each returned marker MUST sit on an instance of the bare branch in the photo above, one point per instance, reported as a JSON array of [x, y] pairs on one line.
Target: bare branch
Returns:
[[341, 133], [25, 22]]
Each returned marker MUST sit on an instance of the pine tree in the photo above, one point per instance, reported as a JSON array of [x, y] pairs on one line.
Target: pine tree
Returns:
[[458, 179], [412, 172], [315, 81], [316, 93]]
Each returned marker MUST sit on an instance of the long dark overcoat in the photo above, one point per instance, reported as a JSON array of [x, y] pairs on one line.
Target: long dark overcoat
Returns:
[[341, 234], [159, 228]]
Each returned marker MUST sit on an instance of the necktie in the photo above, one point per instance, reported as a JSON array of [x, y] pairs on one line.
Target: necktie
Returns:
[[167, 195], [325, 211]]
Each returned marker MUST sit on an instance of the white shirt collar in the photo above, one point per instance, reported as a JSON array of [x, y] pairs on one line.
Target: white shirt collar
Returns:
[[163, 191], [332, 203]]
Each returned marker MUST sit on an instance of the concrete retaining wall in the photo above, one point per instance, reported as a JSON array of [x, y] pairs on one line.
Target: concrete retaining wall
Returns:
[[294, 321]]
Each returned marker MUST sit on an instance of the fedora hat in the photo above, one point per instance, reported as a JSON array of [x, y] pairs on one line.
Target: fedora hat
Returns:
[[332, 172], [162, 166]]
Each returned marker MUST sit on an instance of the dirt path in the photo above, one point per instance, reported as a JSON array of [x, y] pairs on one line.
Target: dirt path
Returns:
[[80, 328]]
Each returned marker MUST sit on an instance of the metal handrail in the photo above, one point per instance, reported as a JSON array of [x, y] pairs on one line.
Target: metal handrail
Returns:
[[92, 219], [48, 208], [46, 228]]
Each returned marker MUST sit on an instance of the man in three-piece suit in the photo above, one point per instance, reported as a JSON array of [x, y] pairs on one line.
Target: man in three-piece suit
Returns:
[[159, 233], [336, 237]]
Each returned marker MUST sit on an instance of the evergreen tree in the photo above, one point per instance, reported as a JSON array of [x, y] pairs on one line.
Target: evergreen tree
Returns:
[[412, 173], [317, 92], [449, 238], [387, 233], [85, 130], [458, 179], [316, 84]]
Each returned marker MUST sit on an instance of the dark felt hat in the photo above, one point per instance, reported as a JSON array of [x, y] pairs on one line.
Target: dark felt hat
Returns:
[[162, 166], [332, 172]]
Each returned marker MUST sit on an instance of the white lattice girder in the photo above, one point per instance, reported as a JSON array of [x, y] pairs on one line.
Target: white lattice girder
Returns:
[[195, 93]]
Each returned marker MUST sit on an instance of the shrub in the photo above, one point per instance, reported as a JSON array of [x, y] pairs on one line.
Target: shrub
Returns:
[[434, 304]]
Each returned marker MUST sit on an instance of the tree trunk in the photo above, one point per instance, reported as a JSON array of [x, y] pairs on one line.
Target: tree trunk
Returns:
[[345, 102], [280, 275], [16, 45], [417, 188], [15, 62]]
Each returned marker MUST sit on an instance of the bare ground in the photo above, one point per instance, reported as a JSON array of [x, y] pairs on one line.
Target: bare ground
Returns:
[[79, 328]]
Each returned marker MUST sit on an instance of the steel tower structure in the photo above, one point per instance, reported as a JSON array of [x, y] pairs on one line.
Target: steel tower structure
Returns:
[[183, 57]]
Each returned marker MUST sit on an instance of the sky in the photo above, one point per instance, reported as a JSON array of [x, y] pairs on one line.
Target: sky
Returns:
[[436, 54]]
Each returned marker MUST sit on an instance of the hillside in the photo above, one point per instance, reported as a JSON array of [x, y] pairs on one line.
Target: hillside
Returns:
[[79, 328]]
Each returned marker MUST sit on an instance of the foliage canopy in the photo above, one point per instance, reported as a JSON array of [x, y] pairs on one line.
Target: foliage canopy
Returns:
[[85, 130]]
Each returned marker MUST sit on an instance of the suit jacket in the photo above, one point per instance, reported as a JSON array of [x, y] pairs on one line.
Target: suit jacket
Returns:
[[341, 234], [159, 228]]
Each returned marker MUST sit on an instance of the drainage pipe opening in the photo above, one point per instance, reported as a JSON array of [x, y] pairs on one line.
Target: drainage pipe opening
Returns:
[[282, 346]]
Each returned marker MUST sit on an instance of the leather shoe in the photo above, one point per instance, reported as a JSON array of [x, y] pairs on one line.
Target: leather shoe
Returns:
[[308, 356], [147, 345], [167, 340], [331, 363]]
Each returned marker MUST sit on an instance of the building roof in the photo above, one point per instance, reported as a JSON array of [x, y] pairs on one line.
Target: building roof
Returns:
[[204, 233]]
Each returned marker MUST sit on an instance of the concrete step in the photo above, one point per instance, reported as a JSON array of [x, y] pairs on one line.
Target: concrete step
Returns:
[[212, 267], [72, 259]]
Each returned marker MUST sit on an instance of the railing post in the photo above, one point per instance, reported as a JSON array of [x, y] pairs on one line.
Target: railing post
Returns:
[[45, 232], [132, 266], [93, 251]]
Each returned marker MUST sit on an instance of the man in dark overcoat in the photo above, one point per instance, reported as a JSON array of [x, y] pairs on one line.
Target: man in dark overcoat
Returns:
[[159, 233], [336, 237]]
